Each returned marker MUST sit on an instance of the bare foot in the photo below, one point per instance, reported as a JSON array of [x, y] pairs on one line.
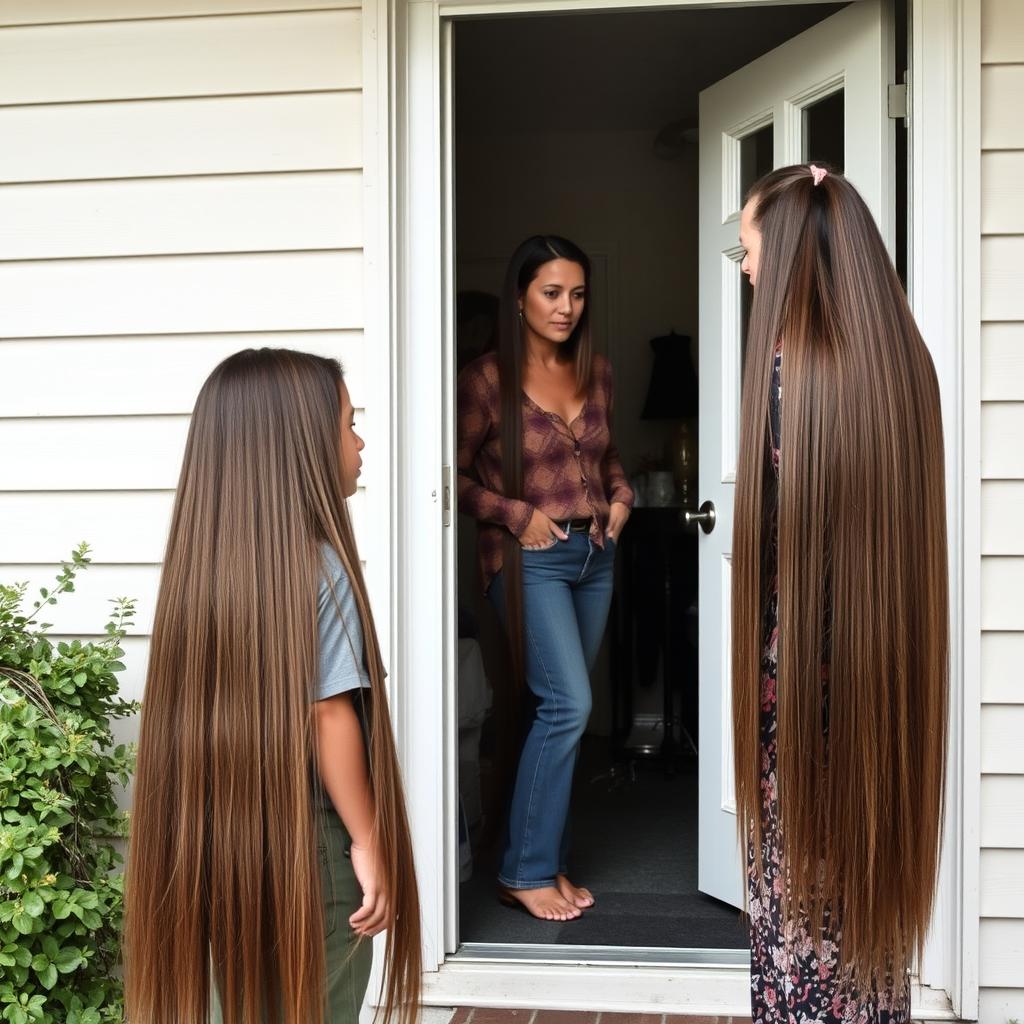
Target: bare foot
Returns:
[[574, 894], [547, 904]]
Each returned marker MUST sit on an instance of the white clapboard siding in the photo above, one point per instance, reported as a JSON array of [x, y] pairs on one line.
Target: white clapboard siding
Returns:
[[1002, 730], [1001, 867], [1002, 361], [180, 294], [88, 609], [48, 12], [1002, 440], [1002, 516], [129, 453], [1002, 191], [1002, 97], [97, 453], [127, 527], [1002, 297], [1001, 1005], [210, 56], [1002, 883], [1002, 592], [1002, 676], [134, 374], [224, 213], [1002, 952], [1002, 29], [238, 134], [42, 527], [1002, 824]]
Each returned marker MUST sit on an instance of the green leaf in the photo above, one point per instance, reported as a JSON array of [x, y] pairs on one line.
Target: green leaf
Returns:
[[33, 904], [48, 978], [23, 923], [91, 919], [68, 959]]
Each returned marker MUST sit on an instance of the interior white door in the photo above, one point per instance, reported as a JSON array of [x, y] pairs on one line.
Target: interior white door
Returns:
[[821, 95]]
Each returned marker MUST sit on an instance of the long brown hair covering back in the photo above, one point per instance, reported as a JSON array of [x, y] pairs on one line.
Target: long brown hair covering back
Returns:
[[223, 884], [523, 266], [862, 574]]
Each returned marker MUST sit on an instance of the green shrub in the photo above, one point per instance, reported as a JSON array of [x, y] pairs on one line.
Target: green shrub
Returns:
[[60, 826]]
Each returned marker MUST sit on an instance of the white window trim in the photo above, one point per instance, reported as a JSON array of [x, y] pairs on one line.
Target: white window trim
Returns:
[[405, 110]]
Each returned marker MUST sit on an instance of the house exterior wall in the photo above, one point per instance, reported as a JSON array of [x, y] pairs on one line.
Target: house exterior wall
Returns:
[[179, 179], [183, 178], [1001, 878]]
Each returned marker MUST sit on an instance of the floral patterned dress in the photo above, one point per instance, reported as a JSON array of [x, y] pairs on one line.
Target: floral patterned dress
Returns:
[[793, 979]]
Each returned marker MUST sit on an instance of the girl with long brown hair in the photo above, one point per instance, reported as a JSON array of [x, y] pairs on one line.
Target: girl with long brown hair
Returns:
[[269, 837], [539, 472], [839, 618]]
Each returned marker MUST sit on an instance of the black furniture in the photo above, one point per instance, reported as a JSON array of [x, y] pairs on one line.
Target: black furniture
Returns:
[[655, 587]]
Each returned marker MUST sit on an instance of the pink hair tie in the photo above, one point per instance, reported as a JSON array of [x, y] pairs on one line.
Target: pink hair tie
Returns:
[[818, 173]]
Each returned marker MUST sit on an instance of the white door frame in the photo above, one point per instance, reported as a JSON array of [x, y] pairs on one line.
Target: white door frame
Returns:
[[405, 45]]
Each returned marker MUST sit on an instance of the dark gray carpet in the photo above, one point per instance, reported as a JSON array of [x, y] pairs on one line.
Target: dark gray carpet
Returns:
[[635, 847]]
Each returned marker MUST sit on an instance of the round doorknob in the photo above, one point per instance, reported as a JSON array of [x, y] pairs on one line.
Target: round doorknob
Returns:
[[704, 517]]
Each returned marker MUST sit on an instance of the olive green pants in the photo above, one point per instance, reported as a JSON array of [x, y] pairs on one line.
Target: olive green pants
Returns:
[[347, 960]]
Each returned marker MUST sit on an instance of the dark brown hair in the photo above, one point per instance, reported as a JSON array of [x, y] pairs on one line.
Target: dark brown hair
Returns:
[[862, 574], [223, 885]]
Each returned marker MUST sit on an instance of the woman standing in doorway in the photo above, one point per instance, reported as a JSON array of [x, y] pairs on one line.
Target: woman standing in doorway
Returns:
[[539, 472], [839, 616]]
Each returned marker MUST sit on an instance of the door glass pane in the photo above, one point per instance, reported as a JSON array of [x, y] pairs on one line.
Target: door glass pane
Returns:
[[823, 129], [757, 151]]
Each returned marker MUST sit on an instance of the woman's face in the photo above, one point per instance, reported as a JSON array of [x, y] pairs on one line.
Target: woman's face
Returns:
[[351, 445], [750, 239], [553, 301]]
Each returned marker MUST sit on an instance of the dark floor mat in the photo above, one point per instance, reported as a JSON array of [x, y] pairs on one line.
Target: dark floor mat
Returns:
[[634, 844]]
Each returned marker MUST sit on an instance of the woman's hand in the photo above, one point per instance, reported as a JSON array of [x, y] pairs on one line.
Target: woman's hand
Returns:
[[541, 532], [617, 516], [375, 913]]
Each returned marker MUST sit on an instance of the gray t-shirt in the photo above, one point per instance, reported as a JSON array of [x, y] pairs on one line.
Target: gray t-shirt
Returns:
[[341, 636]]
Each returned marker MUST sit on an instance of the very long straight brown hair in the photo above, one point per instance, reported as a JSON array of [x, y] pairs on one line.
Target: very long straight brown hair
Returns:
[[223, 885], [862, 574]]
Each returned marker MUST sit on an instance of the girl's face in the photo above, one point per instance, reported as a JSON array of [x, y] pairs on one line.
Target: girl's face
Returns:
[[351, 445], [553, 301], [750, 239]]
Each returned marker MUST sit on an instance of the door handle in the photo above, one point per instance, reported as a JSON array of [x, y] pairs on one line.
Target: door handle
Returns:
[[704, 517]]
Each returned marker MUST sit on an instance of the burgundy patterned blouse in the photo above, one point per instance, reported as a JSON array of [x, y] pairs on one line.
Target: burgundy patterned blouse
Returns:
[[570, 471]]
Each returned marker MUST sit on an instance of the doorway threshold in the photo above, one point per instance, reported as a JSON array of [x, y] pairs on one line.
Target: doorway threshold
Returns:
[[624, 956]]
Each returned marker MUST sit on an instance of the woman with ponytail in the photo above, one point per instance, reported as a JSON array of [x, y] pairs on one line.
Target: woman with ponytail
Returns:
[[839, 619], [269, 836], [539, 472]]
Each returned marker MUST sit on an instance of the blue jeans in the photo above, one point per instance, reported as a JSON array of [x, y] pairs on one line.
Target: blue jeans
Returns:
[[567, 590]]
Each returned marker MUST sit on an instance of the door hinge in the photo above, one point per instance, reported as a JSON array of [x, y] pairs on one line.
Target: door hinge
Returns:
[[446, 495], [899, 100]]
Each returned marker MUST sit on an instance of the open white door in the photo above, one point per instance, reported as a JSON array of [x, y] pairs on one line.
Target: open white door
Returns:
[[821, 95]]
